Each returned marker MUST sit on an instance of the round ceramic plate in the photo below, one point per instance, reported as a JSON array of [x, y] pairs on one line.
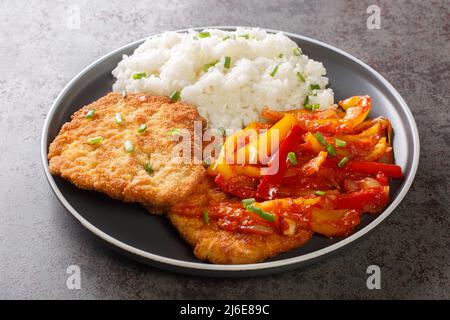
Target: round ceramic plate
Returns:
[[151, 239]]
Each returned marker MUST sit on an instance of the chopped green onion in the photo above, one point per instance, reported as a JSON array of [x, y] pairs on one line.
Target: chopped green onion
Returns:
[[343, 162], [128, 146], [280, 55], [207, 162], [209, 65], [222, 131], [175, 96], [141, 75], [174, 131], [260, 212], [297, 52], [319, 193], [308, 106], [315, 106], [118, 118], [306, 100], [247, 202], [330, 149], [148, 167], [274, 71], [340, 143], [300, 77], [206, 216], [142, 128], [90, 114], [204, 34], [227, 62], [95, 140], [314, 87], [226, 38], [246, 36], [321, 138], [292, 158]]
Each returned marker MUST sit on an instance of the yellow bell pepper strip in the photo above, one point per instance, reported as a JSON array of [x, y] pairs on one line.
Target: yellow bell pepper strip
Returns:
[[356, 110], [334, 223], [314, 144], [227, 155], [269, 183], [251, 153]]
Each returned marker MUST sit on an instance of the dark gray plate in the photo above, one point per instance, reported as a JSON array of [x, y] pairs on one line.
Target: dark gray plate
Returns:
[[151, 239]]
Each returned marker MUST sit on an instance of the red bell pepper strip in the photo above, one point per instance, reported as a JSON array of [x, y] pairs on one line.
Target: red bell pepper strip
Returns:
[[230, 186], [269, 183], [390, 170], [369, 167], [367, 200]]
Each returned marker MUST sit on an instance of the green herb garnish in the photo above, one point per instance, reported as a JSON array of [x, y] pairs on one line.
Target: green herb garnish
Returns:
[[206, 216], [260, 212], [209, 65], [292, 158], [319, 193], [118, 118], [340, 143], [321, 138], [274, 71], [175, 96], [247, 202], [174, 131], [142, 128], [148, 167], [343, 162], [227, 62], [297, 52], [90, 114], [314, 87], [95, 140], [330, 149], [300, 77], [204, 34], [128, 146], [141, 75]]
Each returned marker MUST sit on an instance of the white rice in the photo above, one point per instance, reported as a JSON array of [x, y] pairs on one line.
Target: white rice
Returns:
[[231, 97]]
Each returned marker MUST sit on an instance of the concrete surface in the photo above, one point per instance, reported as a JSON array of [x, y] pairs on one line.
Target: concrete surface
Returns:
[[39, 239]]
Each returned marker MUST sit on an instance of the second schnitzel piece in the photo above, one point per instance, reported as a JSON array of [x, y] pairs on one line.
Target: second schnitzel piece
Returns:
[[123, 146], [213, 243]]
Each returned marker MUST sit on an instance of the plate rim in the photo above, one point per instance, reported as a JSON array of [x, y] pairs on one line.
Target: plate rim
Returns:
[[198, 266]]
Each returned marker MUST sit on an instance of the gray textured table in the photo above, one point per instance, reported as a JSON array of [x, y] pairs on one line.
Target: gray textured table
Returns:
[[40, 52]]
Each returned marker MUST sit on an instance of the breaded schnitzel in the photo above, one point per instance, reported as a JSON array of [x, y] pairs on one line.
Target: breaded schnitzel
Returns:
[[122, 146], [216, 245], [219, 246]]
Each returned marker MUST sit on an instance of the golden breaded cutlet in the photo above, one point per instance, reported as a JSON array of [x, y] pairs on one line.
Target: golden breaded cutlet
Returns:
[[213, 244], [219, 246], [149, 174]]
